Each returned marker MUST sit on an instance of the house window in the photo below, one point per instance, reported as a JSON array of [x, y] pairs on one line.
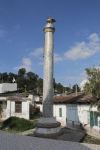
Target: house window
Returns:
[[18, 107], [60, 112]]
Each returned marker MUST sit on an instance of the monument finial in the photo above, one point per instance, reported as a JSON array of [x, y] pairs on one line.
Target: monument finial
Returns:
[[50, 20]]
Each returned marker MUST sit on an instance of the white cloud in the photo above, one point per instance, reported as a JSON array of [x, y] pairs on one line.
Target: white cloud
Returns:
[[37, 52], [94, 37], [97, 67], [83, 73], [83, 83], [26, 64], [84, 50], [57, 58], [69, 78], [83, 32], [61, 77], [41, 63]]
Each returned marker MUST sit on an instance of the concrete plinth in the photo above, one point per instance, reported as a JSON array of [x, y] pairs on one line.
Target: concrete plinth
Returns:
[[47, 127]]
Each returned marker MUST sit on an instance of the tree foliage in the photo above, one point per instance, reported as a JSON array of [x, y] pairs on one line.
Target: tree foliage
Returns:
[[74, 88], [31, 80], [93, 84]]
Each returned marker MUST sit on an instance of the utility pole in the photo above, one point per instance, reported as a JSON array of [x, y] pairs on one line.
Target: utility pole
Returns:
[[76, 89], [70, 87], [63, 87]]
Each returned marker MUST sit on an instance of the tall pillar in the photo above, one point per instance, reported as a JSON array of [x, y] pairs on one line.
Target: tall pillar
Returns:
[[47, 126]]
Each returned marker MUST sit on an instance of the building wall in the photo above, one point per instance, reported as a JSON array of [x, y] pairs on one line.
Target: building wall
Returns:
[[1, 88], [73, 113], [4, 107], [11, 109], [36, 98], [41, 107], [77, 114], [56, 114], [8, 87]]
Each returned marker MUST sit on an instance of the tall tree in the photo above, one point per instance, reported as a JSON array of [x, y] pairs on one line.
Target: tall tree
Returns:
[[74, 88], [22, 72], [10, 77], [32, 77], [40, 85], [5, 77], [67, 89], [59, 87], [93, 85]]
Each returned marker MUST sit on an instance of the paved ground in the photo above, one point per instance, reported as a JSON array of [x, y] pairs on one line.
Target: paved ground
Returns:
[[67, 135], [9, 141]]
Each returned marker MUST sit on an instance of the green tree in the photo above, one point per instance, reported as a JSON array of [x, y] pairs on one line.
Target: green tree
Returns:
[[10, 77], [74, 88], [22, 72], [54, 83], [32, 80], [59, 87], [5, 77], [93, 84], [67, 89], [40, 85]]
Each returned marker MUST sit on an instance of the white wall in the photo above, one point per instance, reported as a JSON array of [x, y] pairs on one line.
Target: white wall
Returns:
[[11, 109], [78, 113], [4, 107], [73, 112], [57, 115], [8, 87], [56, 112], [41, 107], [36, 98], [1, 88]]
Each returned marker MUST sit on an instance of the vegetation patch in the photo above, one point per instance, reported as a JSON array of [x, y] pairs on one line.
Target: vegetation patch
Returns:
[[17, 124], [90, 140]]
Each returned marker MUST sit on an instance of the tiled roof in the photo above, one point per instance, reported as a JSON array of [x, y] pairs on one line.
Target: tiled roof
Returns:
[[17, 98], [73, 99]]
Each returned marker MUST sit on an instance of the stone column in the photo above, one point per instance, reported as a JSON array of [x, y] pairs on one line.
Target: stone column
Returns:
[[48, 71], [47, 126]]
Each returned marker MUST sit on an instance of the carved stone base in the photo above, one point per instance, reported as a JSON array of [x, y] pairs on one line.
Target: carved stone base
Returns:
[[47, 127]]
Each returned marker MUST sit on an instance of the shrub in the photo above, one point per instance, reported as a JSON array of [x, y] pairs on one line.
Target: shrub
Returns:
[[18, 124]]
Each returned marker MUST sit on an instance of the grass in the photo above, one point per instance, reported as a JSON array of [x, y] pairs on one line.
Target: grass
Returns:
[[16, 125], [25, 93], [90, 140]]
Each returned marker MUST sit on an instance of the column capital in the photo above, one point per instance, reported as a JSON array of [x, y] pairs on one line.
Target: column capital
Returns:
[[49, 28]]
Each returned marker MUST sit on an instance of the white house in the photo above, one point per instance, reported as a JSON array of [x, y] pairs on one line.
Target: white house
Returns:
[[13, 106], [4, 87], [73, 111]]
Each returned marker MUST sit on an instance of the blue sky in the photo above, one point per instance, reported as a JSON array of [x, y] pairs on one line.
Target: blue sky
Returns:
[[76, 37]]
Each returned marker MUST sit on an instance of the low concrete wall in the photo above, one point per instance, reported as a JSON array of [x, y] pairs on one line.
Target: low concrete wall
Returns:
[[61, 120]]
